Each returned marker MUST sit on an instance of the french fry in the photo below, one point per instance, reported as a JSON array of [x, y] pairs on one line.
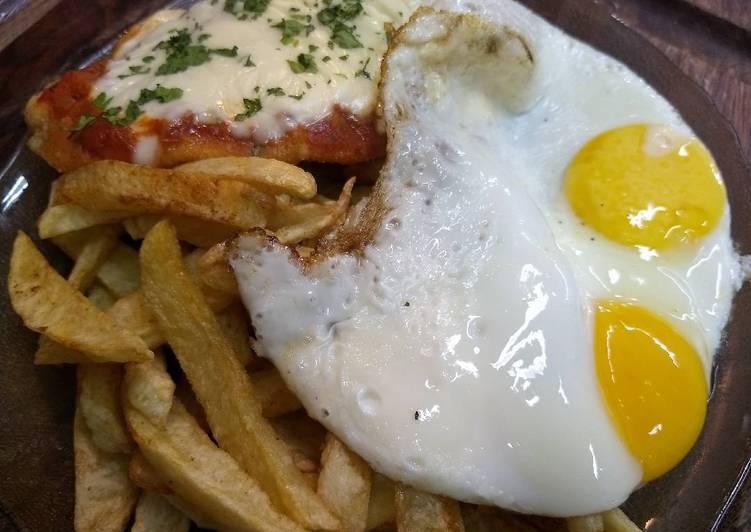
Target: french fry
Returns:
[[130, 188], [382, 506], [67, 218], [215, 272], [304, 438], [616, 521], [100, 296], [272, 393], [120, 273], [234, 322], [105, 496], [149, 389], [99, 401], [92, 256], [220, 383], [276, 177], [344, 483], [417, 511], [144, 476], [154, 513], [313, 227], [198, 232], [48, 304], [585, 523], [203, 476]]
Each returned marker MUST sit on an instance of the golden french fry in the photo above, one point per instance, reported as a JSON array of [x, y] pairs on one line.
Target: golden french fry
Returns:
[[192, 512], [68, 217], [92, 256], [272, 393], [132, 313], [154, 513], [220, 383], [48, 304], [99, 401], [204, 476], [215, 272], [382, 506], [314, 227], [105, 496], [344, 483], [275, 177], [234, 323], [304, 438], [417, 511], [195, 231], [616, 521], [585, 523], [149, 389], [120, 273], [144, 476], [100, 296], [124, 187], [216, 299]]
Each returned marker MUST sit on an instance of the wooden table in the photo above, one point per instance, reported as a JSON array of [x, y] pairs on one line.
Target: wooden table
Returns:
[[710, 40]]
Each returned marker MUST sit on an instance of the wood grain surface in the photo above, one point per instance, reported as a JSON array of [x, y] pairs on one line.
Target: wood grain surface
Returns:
[[710, 40]]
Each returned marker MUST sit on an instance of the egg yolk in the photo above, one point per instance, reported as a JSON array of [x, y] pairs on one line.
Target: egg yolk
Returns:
[[653, 384], [643, 185]]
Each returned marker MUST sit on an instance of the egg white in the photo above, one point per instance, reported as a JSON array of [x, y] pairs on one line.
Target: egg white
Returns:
[[456, 353]]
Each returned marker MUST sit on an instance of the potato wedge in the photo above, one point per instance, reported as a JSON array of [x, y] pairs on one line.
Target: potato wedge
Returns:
[[67, 218], [344, 483], [272, 393], [130, 188], [204, 476], [314, 227], [154, 513], [149, 389], [143, 475], [275, 177], [382, 506], [586, 523], [219, 381], [132, 313], [417, 511], [48, 304], [99, 401], [616, 521], [92, 256], [105, 496]]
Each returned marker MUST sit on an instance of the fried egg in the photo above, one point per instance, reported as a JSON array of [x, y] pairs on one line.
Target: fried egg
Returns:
[[543, 279]]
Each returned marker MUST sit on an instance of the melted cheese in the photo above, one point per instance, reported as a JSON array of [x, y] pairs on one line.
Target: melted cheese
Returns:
[[214, 91]]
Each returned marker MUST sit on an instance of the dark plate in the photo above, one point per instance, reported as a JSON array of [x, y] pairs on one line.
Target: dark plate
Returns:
[[36, 482]]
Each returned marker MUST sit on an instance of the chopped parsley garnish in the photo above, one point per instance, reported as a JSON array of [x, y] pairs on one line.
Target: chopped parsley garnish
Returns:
[[148, 59], [344, 57], [84, 121], [101, 101], [114, 115], [134, 70], [203, 37], [226, 52], [182, 53], [326, 58], [249, 62], [275, 91], [304, 63], [312, 48], [336, 17], [159, 94], [291, 28], [248, 8], [362, 73], [297, 96], [251, 108]]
